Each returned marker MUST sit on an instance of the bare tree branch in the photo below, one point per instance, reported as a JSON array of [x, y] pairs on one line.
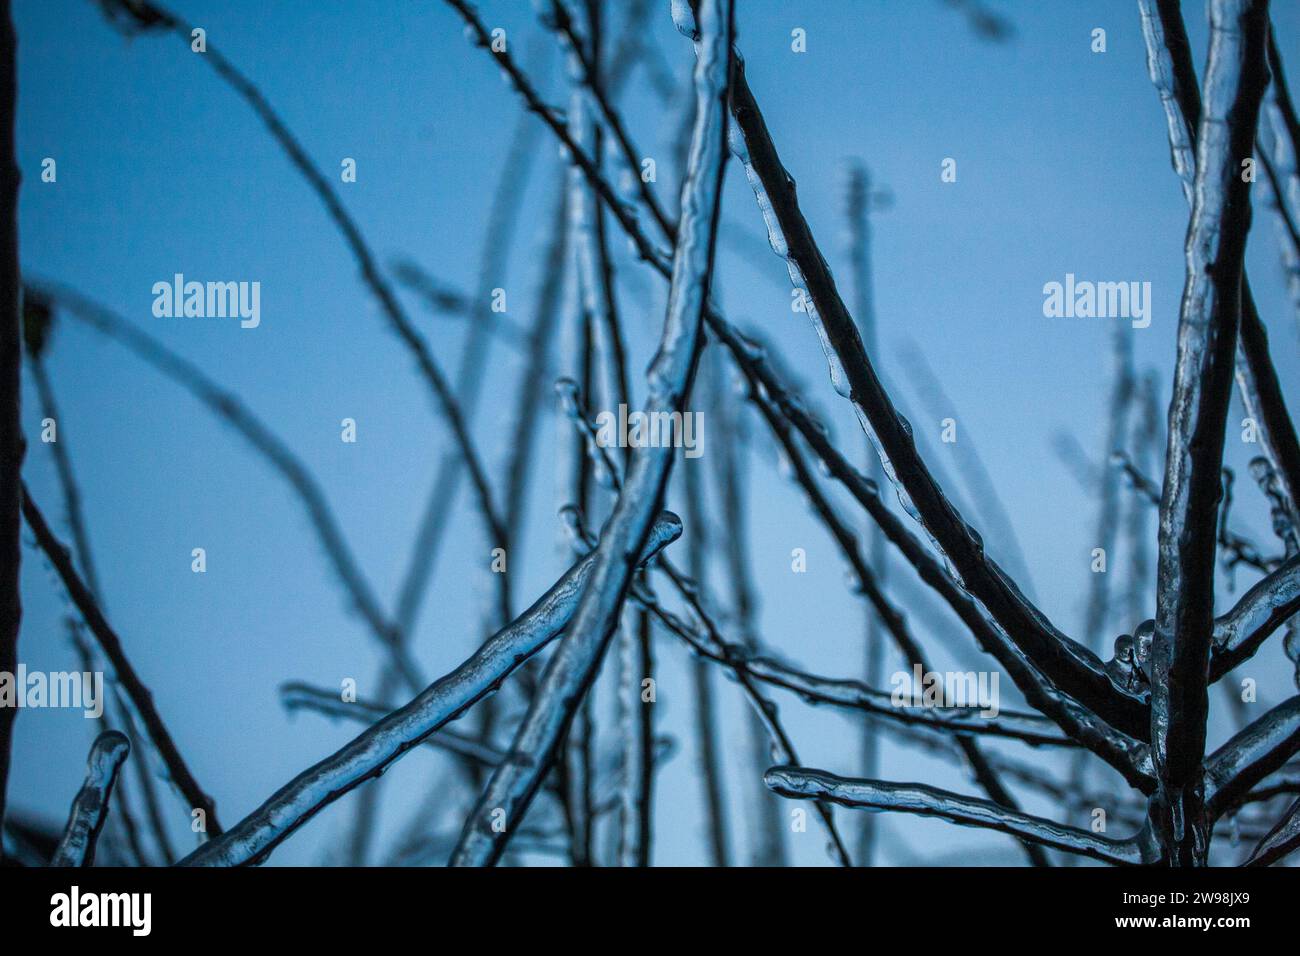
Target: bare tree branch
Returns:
[[229, 408], [569, 673], [929, 801], [90, 807], [1073, 668], [368, 755], [1207, 338], [139, 695]]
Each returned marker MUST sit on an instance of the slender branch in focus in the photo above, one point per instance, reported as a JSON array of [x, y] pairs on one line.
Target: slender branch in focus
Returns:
[[1282, 840], [1169, 62], [966, 811], [253, 838], [1207, 337], [90, 807], [1070, 666]]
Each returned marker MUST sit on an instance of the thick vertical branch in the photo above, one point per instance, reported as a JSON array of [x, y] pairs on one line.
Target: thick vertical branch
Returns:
[[1169, 62], [11, 435], [1207, 337], [572, 667]]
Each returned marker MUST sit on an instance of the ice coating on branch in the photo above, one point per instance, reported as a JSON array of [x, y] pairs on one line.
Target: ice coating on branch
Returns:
[[90, 807], [879, 796], [571, 668], [1278, 842], [370, 753], [1251, 755]]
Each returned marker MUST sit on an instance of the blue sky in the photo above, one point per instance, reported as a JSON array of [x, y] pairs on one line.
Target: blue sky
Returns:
[[1062, 168]]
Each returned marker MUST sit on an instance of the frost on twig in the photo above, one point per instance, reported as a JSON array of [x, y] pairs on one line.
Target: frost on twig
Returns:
[[1253, 753], [90, 807], [253, 838]]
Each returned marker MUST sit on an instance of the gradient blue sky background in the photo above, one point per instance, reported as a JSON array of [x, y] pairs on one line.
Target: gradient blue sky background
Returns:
[[1063, 167]]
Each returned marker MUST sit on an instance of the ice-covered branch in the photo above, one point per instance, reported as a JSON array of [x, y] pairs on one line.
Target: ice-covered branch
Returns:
[[1207, 336], [765, 811], [1282, 840], [369, 754], [917, 798], [709, 643], [1070, 666], [1256, 615], [1122, 752], [894, 621], [708, 741], [1235, 548], [555, 15], [228, 407], [478, 34], [139, 695], [38, 321], [1169, 62], [855, 695], [90, 807], [1256, 751], [571, 668], [296, 695]]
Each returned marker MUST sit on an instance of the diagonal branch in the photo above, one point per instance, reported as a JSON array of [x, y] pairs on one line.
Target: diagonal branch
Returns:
[[917, 798], [130, 682], [1253, 753], [1282, 840], [227, 406], [145, 15], [375, 749], [1072, 667]]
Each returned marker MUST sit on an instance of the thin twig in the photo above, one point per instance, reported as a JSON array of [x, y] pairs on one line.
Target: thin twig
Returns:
[[90, 807]]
